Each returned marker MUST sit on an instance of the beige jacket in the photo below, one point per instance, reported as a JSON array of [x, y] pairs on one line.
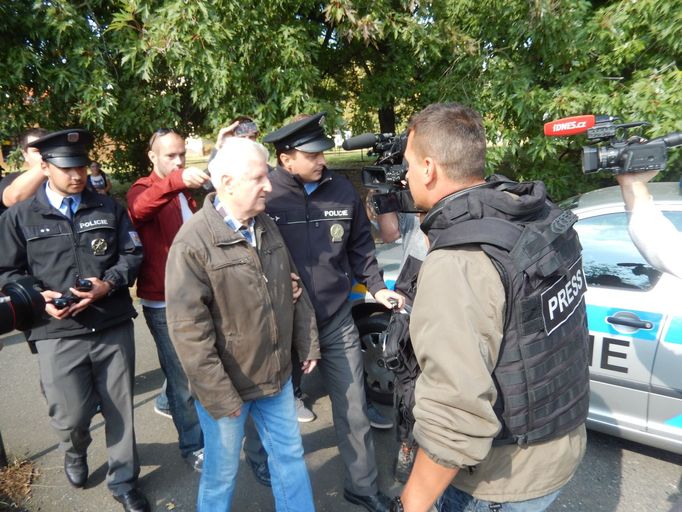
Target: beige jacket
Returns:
[[230, 311], [456, 329]]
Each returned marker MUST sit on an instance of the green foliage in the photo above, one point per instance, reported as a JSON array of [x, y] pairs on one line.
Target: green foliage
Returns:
[[124, 68]]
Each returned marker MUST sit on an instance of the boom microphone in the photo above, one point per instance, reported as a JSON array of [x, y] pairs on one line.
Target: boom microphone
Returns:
[[365, 140], [672, 140], [569, 126]]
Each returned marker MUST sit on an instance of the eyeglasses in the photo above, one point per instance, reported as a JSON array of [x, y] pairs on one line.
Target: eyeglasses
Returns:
[[160, 133]]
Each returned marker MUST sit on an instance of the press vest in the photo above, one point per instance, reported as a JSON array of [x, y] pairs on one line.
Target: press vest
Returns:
[[542, 374]]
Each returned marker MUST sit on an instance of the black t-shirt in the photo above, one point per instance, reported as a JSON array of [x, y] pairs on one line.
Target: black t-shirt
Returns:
[[4, 183]]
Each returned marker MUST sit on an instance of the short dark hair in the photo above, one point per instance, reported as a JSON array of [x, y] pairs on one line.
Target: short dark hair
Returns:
[[453, 135], [242, 119], [32, 132]]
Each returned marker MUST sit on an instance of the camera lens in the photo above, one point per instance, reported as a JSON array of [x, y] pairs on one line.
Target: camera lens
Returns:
[[590, 159], [21, 305]]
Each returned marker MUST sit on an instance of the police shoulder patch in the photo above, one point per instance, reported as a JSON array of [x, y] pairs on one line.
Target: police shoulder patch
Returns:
[[135, 238]]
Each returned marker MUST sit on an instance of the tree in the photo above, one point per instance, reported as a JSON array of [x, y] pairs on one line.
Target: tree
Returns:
[[539, 61], [128, 67]]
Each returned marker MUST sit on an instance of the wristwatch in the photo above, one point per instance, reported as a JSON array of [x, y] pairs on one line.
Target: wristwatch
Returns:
[[112, 287], [396, 505]]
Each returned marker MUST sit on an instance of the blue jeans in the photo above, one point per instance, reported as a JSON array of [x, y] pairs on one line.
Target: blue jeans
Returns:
[[180, 401], [161, 401], [277, 425], [454, 500]]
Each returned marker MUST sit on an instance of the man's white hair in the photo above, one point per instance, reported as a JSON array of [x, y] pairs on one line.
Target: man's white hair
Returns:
[[233, 157]]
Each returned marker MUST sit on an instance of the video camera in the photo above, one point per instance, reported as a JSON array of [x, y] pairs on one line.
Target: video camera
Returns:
[[21, 305], [387, 174], [619, 154], [63, 302]]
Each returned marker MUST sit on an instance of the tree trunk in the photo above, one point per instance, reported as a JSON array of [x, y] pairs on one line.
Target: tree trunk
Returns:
[[387, 119]]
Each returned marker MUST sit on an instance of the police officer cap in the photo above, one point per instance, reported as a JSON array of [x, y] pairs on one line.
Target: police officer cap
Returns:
[[305, 135], [65, 148]]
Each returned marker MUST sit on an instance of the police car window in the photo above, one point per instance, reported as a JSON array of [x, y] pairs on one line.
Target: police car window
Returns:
[[610, 259]]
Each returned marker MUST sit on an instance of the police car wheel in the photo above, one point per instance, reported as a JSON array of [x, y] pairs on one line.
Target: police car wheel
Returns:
[[378, 379]]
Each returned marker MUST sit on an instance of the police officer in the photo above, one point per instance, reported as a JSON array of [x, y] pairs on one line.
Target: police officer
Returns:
[[323, 222], [85, 253]]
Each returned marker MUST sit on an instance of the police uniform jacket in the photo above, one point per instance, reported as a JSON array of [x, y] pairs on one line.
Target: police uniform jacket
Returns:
[[329, 237], [100, 241]]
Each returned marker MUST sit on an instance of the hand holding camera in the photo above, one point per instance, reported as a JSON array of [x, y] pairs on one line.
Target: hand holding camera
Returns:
[[66, 300], [79, 297]]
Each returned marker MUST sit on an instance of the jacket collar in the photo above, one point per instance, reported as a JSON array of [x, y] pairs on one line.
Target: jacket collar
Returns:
[[220, 232], [517, 201], [281, 175], [89, 200]]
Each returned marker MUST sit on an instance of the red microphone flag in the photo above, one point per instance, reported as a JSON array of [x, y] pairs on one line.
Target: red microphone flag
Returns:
[[569, 126]]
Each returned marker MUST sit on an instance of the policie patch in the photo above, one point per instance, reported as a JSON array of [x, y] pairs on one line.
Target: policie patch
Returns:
[[563, 296]]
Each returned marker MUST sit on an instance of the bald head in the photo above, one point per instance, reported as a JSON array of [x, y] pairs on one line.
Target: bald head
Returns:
[[166, 152]]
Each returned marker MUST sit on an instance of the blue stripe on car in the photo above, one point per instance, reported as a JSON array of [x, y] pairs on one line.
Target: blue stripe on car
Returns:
[[358, 291], [674, 334], [675, 422]]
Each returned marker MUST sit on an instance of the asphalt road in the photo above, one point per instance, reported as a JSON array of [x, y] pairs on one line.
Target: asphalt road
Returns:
[[615, 476]]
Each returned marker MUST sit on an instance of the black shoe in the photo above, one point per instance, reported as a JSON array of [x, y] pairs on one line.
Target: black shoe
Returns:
[[76, 470], [133, 501], [260, 471], [374, 503]]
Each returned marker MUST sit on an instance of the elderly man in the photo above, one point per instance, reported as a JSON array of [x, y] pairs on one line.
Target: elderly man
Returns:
[[233, 324]]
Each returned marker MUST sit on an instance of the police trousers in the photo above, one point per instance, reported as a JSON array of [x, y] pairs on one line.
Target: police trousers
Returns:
[[79, 373]]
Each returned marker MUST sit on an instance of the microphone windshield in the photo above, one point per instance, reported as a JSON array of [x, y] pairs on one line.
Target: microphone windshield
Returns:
[[365, 140]]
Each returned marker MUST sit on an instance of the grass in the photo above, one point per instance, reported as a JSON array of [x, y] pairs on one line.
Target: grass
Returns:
[[15, 484], [338, 158]]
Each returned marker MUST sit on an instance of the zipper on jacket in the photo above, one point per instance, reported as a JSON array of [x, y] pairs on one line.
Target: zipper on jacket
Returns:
[[309, 258], [74, 246], [273, 323]]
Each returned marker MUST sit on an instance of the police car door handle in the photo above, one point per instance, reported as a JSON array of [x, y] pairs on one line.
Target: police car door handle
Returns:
[[629, 322]]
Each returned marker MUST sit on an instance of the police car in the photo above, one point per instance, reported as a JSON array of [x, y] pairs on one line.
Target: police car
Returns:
[[634, 316], [635, 320], [371, 320]]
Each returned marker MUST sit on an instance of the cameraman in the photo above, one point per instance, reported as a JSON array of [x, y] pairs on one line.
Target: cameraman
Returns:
[[655, 237]]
